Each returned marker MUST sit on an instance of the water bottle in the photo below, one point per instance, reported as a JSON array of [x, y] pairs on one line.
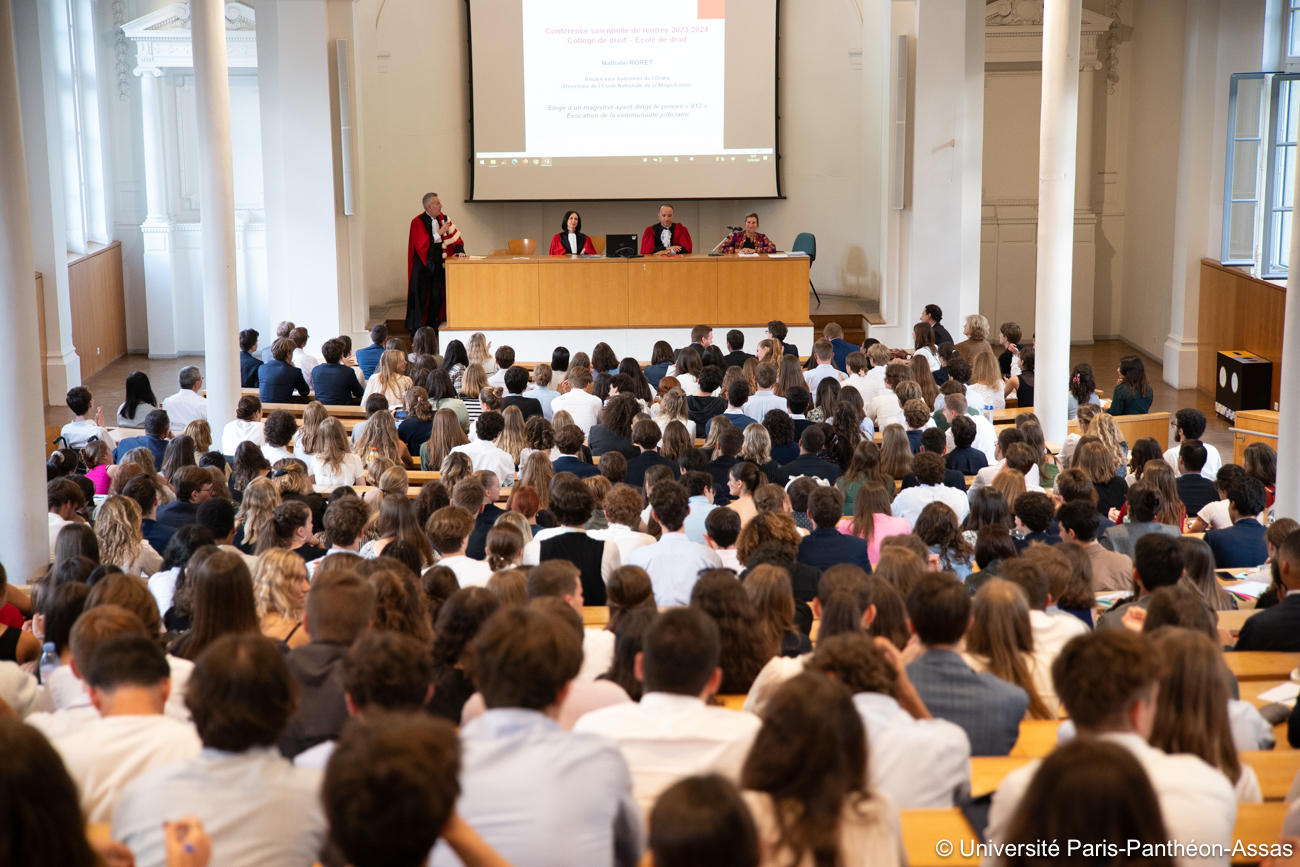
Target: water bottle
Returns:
[[988, 412], [49, 662]]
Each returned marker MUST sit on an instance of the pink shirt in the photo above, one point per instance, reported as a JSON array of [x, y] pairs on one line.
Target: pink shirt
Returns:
[[99, 475], [884, 525]]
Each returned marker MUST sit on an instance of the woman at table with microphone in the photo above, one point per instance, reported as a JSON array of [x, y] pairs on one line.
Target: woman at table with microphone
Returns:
[[570, 241], [748, 238]]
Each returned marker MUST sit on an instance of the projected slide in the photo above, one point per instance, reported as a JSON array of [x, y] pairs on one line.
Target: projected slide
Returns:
[[609, 99]]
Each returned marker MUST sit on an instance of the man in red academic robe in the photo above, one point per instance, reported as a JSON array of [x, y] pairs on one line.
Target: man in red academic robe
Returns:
[[665, 236], [433, 238]]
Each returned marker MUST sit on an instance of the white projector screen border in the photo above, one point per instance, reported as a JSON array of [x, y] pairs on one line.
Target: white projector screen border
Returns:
[[585, 185]]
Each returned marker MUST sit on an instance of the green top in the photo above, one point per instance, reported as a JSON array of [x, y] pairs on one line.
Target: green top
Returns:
[[1125, 402]]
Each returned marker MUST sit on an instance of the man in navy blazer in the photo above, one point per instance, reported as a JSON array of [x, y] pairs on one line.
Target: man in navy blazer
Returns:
[[568, 440], [193, 489], [368, 357], [157, 430], [1242, 544], [826, 546], [808, 464], [277, 380], [145, 493], [933, 440], [646, 436], [1278, 627], [841, 347], [248, 362], [516, 382], [988, 708], [336, 384], [737, 397]]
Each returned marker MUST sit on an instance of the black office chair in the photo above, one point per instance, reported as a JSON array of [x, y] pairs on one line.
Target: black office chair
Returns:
[[806, 242]]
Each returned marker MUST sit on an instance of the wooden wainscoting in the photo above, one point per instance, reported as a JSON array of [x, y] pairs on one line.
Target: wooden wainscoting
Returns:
[[1238, 311], [98, 308]]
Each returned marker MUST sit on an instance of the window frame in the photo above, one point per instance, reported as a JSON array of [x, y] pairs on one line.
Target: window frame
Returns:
[[1268, 254], [1261, 182]]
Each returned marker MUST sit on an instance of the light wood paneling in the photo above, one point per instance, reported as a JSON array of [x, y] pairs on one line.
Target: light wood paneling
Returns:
[[493, 295], [582, 293], [677, 292], [1238, 311], [1253, 426], [753, 291], [40, 331], [98, 308]]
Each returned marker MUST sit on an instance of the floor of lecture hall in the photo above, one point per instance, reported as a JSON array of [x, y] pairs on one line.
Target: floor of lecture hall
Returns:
[[109, 386]]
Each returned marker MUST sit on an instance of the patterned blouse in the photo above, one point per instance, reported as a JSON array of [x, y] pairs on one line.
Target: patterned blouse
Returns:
[[737, 242]]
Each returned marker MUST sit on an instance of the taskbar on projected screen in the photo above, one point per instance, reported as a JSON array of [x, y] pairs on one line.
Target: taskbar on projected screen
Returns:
[[688, 159]]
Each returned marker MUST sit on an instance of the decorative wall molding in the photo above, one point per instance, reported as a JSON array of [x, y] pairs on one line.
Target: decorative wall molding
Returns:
[[1112, 39], [162, 38], [1013, 33], [121, 64]]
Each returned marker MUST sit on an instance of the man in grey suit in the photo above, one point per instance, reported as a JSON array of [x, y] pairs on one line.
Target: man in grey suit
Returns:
[[988, 708], [1144, 506]]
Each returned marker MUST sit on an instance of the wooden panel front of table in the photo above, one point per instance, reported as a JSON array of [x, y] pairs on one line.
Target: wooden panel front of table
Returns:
[[508, 292]]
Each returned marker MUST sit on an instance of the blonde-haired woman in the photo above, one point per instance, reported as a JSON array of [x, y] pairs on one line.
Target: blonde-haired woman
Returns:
[[1087, 412], [201, 433], [444, 436], [1104, 428], [253, 520], [392, 482], [789, 375], [479, 351], [1001, 641], [514, 438], [536, 473], [121, 538], [280, 588], [472, 387], [306, 441], [333, 463], [985, 388], [673, 407], [976, 329], [380, 438], [769, 350], [290, 478], [1011, 484], [757, 449], [389, 379]]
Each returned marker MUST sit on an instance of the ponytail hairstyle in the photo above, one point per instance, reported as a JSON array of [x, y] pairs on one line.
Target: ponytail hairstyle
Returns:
[[286, 519], [504, 545], [417, 403]]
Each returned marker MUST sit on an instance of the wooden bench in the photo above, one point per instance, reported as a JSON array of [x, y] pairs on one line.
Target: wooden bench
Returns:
[[923, 829], [411, 492], [595, 616], [1037, 738], [1261, 664]]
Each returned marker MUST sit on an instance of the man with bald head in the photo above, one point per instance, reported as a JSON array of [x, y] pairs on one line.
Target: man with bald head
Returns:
[[433, 238], [665, 237]]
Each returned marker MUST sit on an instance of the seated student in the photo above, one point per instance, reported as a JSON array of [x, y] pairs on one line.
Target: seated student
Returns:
[[188, 404], [1133, 392], [933, 441], [1278, 628], [737, 400], [157, 431], [1157, 562], [248, 362], [336, 384], [777, 330], [144, 491], [918, 761], [672, 733], [193, 489], [596, 560], [826, 367], [1050, 627], [484, 452], [1144, 505], [479, 497], [721, 529], [623, 505], [988, 708], [449, 530], [516, 757], [84, 427], [704, 406], [338, 610], [300, 359], [929, 470], [1111, 571], [1033, 512], [278, 379], [1189, 426], [257, 807], [1107, 682], [515, 380], [646, 436], [1241, 544], [826, 546], [281, 332], [764, 400], [129, 682], [808, 464], [561, 580], [1025, 462], [797, 401], [916, 413], [1195, 488], [614, 432], [960, 456], [568, 439], [730, 444], [833, 333], [246, 426], [540, 390], [701, 491], [579, 402], [736, 356], [368, 356], [702, 820], [674, 562], [985, 439], [505, 359], [64, 500]]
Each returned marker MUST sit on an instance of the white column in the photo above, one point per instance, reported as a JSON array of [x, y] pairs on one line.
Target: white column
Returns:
[[217, 204], [159, 280], [1287, 503], [24, 534], [1056, 179]]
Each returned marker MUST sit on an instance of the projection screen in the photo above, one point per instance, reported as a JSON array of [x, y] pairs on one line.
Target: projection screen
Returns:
[[610, 99]]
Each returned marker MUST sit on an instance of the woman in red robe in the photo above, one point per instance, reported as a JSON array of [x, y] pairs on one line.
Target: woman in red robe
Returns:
[[570, 241]]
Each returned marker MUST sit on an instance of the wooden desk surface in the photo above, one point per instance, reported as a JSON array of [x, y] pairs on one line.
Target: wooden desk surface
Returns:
[[1258, 825], [1261, 664], [1037, 738], [924, 829]]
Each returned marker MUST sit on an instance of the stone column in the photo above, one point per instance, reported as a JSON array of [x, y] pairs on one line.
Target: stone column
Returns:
[[159, 282], [24, 533], [1058, 138], [1287, 503], [217, 205]]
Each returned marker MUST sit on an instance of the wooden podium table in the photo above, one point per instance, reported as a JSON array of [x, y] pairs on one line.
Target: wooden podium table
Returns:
[[507, 292]]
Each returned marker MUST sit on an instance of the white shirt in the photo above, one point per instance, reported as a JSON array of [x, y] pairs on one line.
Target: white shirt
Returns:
[[394, 393], [1052, 632], [762, 402], [885, 410], [627, 539], [184, 407], [597, 653], [305, 363], [674, 564], [930, 358], [163, 587], [666, 737], [862, 384], [1213, 463], [469, 572], [239, 431], [610, 560], [663, 421], [984, 477], [815, 376], [1197, 801], [584, 407], [921, 764], [911, 501], [56, 524], [486, 456], [730, 559], [980, 396], [665, 238], [1215, 514], [79, 431], [110, 752], [349, 470], [68, 695], [316, 757], [275, 453], [498, 379], [986, 438], [778, 670], [874, 385], [19, 689]]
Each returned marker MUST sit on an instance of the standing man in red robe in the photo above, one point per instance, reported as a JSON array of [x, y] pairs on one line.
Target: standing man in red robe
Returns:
[[433, 238], [665, 237]]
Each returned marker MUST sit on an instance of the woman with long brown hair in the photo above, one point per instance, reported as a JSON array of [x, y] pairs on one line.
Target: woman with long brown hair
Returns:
[[1133, 393], [458, 622], [334, 463], [686, 371], [936, 526], [1198, 564], [671, 408], [872, 519], [537, 473], [289, 528], [250, 464], [305, 441], [179, 454], [396, 520], [742, 480], [677, 440], [1099, 465], [415, 428], [444, 435], [921, 372], [1001, 641], [514, 437], [745, 649], [789, 375], [389, 378], [1010, 483], [218, 594], [895, 452], [805, 782], [380, 438], [864, 469], [768, 587]]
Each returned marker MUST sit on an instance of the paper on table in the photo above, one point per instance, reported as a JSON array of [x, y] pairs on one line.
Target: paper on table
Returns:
[[799, 254], [1285, 692], [1248, 589], [778, 255], [1106, 600]]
